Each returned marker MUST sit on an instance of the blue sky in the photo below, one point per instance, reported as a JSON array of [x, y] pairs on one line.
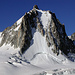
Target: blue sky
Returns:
[[12, 10]]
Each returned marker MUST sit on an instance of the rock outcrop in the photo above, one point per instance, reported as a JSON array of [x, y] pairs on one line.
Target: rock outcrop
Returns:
[[73, 36], [35, 7]]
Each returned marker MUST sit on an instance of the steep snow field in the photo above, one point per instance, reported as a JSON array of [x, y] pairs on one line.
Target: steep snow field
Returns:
[[45, 18], [39, 59]]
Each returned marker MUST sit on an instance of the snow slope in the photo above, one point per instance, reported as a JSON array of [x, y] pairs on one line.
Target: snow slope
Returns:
[[39, 59], [45, 18], [42, 60]]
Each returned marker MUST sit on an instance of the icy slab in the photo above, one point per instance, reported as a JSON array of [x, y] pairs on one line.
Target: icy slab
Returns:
[[69, 37]]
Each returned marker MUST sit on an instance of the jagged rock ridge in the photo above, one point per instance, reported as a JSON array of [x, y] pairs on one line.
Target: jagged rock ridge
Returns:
[[20, 34]]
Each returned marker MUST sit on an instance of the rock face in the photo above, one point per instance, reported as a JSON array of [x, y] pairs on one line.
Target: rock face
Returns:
[[20, 34], [35, 6], [73, 36], [58, 37]]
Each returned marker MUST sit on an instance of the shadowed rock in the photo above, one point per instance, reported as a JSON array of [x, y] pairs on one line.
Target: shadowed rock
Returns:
[[35, 6]]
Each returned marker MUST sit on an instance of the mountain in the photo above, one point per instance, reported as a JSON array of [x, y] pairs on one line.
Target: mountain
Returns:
[[37, 40], [20, 34]]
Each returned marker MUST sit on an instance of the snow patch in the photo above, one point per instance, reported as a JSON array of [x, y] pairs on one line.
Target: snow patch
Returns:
[[16, 29], [0, 37], [19, 21]]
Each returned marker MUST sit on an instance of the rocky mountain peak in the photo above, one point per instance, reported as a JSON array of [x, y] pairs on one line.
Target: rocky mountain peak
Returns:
[[35, 6], [22, 32]]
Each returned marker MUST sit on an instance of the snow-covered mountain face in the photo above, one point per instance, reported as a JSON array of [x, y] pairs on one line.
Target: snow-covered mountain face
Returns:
[[36, 42], [44, 22]]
